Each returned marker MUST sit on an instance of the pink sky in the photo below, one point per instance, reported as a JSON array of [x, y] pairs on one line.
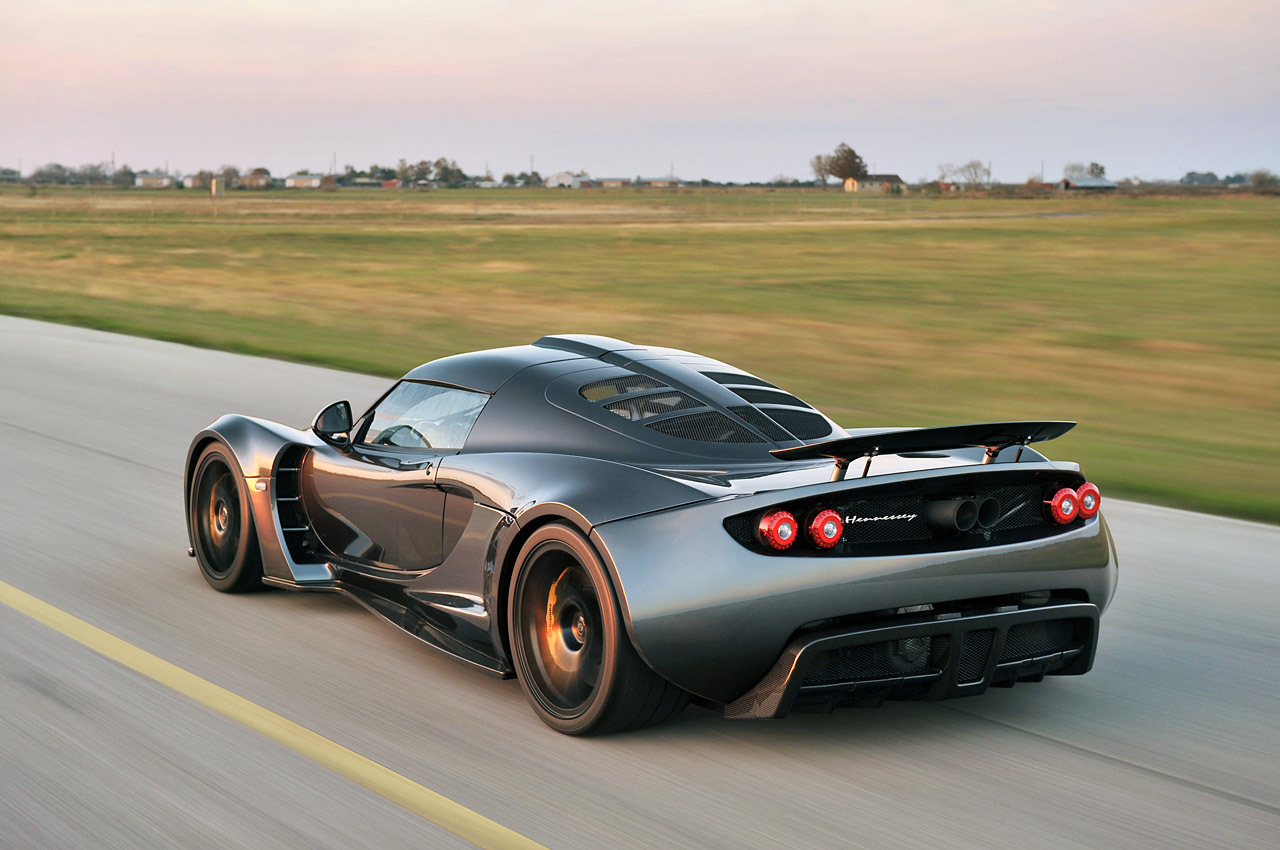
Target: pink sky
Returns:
[[739, 90]]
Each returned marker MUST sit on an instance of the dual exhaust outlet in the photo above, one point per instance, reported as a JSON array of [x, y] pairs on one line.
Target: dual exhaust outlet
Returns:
[[956, 516]]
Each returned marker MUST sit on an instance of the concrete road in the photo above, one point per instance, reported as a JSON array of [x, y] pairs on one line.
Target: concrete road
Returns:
[[1172, 741]]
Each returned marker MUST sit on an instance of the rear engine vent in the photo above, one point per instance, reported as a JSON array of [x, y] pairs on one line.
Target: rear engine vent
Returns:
[[729, 378], [655, 404], [705, 427], [611, 387], [770, 397], [805, 424], [763, 423]]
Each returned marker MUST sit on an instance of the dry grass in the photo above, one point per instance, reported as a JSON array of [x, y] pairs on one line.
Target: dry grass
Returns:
[[1155, 322]]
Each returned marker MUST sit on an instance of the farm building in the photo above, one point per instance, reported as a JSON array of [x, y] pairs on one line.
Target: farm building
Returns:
[[148, 180], [669, 182], [611, 182], [561, 180], [1087, 184], [874, 183], [303, 181], [194, 181]]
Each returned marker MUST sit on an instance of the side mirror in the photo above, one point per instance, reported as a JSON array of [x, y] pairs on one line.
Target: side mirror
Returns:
[[333, 424]]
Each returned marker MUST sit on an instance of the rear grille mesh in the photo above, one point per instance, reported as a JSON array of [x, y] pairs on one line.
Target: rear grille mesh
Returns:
[[1028, 640], [974, 649], [763, 423], [884, 660], [805, 424]]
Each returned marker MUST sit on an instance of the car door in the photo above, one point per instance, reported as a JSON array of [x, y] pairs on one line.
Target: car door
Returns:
[[375, 500]]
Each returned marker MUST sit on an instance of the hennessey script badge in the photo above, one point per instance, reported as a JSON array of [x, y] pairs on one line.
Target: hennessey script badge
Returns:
[[907, 517]]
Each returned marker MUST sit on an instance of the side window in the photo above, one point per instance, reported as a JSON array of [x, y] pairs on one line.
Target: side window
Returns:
[[424, 416]]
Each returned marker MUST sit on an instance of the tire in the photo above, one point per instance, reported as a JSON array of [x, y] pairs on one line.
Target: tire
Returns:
[[570, 648], [221, 523]]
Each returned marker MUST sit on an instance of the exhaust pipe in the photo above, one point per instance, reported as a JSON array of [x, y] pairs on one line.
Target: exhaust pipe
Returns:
[[988, 512], [952, 516]]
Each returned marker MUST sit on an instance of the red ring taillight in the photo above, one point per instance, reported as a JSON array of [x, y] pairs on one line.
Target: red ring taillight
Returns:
[[1064, 506], [1090, 500], [777, 530], [825, 529]]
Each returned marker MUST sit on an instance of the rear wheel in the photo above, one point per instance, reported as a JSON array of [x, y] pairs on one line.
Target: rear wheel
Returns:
[[221, 523], [571, 652]]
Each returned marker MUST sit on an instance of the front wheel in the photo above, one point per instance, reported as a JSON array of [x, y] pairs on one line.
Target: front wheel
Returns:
[[221, 523], [571, 652]]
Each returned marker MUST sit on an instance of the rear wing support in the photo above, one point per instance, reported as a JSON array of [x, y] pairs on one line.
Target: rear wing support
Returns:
[[993, 437]]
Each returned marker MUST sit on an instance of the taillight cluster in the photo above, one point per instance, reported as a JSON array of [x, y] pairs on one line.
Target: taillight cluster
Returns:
[[779, 529], [1067, 504]]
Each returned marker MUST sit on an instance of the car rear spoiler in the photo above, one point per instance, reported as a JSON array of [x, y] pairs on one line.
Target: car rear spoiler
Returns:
[[992, 436]]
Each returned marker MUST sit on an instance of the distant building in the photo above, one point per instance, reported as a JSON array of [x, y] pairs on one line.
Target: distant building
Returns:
[[303, 181], [611, 182], [1088, 184], [147, 180], [669, 182], [255, 180], [561, 180], [193, 181], [873, 183], [390, 184]]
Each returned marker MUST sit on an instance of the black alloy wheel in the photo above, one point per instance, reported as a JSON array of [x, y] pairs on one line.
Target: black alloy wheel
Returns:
[[226, 543], [569, 645]]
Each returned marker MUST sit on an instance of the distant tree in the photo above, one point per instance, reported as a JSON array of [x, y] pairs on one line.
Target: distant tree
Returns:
[[844, 163], [535, 179], [945, 170], [124, 177], [446, 171], [260, 172], [230, 176], [1197, 178], [1096, 170], [974, 173], [51, 173], [92, 174], [404, 171], [509, 179], [821, 168], [1264, 179], [1075, 170], [1235, 180]]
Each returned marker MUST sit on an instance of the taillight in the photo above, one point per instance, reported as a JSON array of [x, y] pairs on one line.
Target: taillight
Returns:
[[1064, 506], [777, 530], [1090, 500], [825, 528]]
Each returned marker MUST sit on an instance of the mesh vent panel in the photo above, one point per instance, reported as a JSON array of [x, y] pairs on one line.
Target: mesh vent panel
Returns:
[[767, 426], [883, 660], [1020, 506], [802, 423], [763, 396], [707, 427], [730, 378], [610, 387], [1027, 640], [974, 649], [643, 407]]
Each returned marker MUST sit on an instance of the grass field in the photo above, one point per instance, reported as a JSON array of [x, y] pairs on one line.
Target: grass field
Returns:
[[1154, 322]]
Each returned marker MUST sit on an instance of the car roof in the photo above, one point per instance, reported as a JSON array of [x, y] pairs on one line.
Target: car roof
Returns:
[[605, 397]]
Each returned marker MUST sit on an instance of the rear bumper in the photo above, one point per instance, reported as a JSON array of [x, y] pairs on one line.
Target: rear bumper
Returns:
[[928, 658]]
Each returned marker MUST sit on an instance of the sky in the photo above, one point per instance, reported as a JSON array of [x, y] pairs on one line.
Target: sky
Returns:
[[729, 91]]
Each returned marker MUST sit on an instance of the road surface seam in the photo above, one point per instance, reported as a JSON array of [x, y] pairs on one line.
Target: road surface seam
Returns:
[[94, 449], [434, 807], [1171, 777]]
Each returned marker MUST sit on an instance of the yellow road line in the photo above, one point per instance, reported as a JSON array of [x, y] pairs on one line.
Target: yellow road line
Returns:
[[418, 799]]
